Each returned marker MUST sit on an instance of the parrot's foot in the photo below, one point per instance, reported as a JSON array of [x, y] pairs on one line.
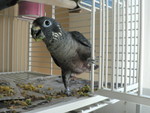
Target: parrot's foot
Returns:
[[73, 78], [68, 92], [91, 61]]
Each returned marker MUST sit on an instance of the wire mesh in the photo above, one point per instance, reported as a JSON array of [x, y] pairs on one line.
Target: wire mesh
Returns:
[[119, 53]]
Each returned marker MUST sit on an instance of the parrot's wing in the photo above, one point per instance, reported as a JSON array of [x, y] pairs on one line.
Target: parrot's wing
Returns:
[[80, 38], [85, 51]]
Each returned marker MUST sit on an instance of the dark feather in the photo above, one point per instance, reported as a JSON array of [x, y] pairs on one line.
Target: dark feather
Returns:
[[55, 60], [80, 38], [84, 50]]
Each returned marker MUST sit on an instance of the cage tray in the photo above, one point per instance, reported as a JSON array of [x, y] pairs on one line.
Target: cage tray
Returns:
[[34, 90]]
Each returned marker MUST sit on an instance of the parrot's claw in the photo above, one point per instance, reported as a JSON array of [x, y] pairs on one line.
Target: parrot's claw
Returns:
[[68, 92], [91, 61]]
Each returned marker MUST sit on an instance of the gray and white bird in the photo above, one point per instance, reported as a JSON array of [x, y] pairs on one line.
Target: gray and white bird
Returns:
[[71, 51]]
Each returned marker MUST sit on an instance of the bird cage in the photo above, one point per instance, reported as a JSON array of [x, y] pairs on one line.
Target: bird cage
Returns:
[[114, 28]]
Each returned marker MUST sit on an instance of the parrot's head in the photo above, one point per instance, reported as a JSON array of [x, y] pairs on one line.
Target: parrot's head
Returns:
[[45, 28]]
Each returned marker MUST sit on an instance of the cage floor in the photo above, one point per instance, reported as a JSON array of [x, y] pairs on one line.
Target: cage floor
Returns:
[[28, 91]]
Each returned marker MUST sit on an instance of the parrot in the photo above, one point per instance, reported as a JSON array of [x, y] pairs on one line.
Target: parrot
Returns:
[[70, 50], [7, 3]]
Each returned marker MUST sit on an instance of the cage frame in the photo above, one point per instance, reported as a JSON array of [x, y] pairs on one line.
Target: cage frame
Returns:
[[126, 93]]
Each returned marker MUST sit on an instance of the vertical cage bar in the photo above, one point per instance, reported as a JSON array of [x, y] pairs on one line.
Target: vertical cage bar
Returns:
[[100, 47], [13, 45], [17, 51], [114, 45], [26, 49], [21, 43], [137, 39], [51, 64], [139, 62], [131, 14], [23, 49], [117, 52], [3, 44], [30, 49], [103, 41], [140, 31], [122, 62], [8, 44], [126, 48], [93, 44], [106, 60], [134, 55]]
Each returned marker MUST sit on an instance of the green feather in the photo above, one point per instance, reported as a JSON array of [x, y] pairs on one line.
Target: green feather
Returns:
[[39, 39]]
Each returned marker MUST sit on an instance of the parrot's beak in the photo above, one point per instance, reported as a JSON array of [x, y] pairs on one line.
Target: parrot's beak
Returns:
[[37, 33]]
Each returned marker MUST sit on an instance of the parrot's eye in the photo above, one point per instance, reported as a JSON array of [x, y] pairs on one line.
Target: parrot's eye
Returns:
[[47, 23]]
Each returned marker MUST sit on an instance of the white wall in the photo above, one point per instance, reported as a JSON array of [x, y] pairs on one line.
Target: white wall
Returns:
[[146, 44]]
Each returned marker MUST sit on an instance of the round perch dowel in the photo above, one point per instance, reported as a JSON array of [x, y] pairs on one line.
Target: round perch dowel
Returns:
[[61, 3]]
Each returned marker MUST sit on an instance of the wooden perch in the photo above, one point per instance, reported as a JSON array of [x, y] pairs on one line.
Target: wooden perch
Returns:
[[61, 3]]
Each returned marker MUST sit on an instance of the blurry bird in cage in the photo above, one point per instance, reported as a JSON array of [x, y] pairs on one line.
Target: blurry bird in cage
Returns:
[[71, 51], [7, 3]]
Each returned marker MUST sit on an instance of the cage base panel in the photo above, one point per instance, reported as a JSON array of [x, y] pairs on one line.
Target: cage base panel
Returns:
[[129, 97], [43, 90], [27, 80], [71, 105]]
